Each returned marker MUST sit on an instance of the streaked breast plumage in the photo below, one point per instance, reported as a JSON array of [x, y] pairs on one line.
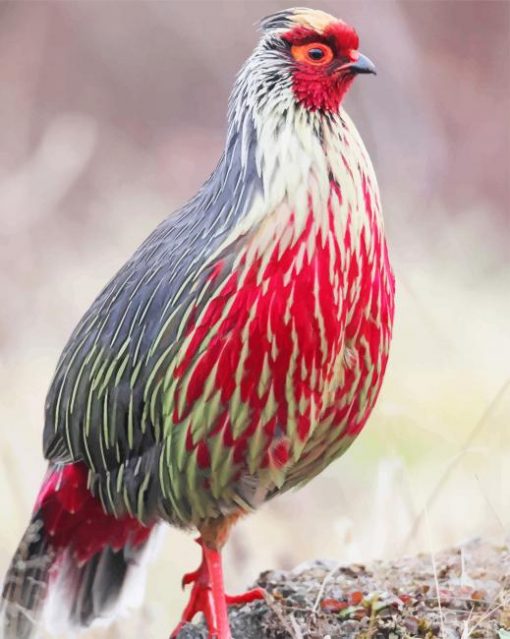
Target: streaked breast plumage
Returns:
[[255, 351]]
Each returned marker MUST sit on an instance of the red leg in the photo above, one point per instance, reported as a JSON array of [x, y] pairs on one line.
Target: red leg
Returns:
[[208, 596]]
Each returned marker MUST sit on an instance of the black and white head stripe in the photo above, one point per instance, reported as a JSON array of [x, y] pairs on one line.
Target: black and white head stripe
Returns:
[[278, 21]]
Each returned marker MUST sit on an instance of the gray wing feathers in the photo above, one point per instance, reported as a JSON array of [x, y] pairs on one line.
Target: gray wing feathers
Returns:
[[104, 404]]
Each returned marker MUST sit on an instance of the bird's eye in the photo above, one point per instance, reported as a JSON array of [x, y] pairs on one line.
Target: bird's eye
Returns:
[[314, 53]]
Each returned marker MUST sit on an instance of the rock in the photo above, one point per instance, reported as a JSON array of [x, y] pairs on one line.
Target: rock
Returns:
[[383, 600]]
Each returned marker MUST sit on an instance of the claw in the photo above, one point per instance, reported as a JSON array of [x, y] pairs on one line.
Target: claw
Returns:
[[189, 578]]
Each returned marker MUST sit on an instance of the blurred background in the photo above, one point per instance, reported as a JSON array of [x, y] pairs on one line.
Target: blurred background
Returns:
[[113, 114]]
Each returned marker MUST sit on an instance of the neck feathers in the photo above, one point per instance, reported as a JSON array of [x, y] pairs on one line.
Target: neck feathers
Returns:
[[310, 168]]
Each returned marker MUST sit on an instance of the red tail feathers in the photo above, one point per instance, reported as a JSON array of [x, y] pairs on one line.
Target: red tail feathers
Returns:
[[71, 541], [74, 519]]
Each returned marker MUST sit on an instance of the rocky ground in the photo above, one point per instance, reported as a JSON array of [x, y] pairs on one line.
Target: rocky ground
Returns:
[[458, 594]]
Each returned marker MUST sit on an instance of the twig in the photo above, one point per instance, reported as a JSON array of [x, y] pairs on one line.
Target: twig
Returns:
[[442, 481], [295, 626], [326, 579], [436, 580], [274, 607]]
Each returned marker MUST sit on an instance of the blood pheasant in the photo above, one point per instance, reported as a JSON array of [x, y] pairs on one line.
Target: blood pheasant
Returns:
[[236, 354]]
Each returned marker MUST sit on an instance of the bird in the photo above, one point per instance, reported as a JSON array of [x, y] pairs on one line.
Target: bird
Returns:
[[236, 354]]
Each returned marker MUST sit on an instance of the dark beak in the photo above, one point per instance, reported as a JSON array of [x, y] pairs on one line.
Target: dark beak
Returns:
[[361, 65]]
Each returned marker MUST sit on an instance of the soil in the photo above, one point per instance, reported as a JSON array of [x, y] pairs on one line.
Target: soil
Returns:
[[457, 594]]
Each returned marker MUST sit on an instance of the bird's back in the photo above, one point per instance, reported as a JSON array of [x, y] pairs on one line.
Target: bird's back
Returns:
[[104, 405]]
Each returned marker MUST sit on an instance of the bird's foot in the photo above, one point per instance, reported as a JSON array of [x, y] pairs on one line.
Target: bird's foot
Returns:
[[208, 596]]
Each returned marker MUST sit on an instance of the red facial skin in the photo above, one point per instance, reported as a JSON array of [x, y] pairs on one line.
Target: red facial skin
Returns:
[[322, 87]]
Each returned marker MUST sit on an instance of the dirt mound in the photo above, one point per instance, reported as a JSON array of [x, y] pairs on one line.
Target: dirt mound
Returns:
[[459, 593]]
